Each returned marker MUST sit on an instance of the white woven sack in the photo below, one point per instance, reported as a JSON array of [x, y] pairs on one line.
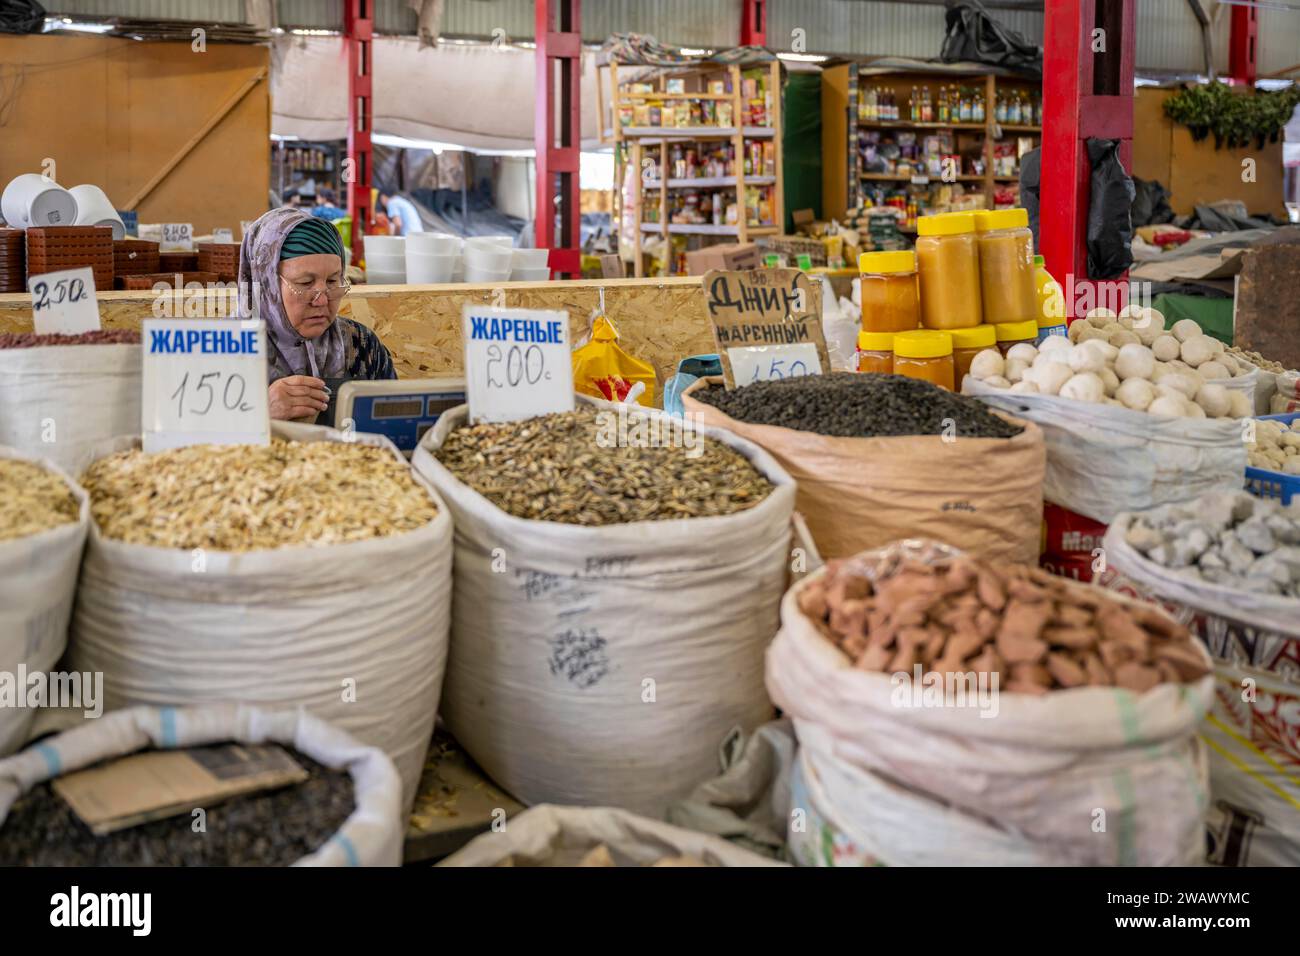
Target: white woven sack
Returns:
[[550, 835], [38, 578], [355, 632], [371, 836], [59, 401], [605, 665], [1029, 785], [1102, 460]]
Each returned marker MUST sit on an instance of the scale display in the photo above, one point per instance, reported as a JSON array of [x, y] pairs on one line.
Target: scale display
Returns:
[[402, 410]]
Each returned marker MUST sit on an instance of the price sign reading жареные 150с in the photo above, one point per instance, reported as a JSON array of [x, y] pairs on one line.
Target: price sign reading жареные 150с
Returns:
[[517, 363], [204, 383]]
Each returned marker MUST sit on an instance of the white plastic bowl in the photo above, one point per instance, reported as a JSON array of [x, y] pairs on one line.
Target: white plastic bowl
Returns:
[[32, 200], [385, 278], [529, 258], [530, 275], [94, 209], [433, 244], [386, 263], [429, 269], [483, 257], [506, 241], [480, 276], [384, 245]]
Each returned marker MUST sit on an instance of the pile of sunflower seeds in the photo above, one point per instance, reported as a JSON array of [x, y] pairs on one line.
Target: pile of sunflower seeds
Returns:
[[32, 500], [256, 497], [554, 468], [851, 405], [31, 340], [268, 828]]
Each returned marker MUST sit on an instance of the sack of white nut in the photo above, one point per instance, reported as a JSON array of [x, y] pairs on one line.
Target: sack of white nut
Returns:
[[1133, 416], [1229, 565], [956, 712]]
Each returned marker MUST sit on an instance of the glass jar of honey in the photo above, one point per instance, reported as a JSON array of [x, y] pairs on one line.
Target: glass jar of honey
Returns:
[[891, 299], [925, 354], [947, 256], [966, 344], [1008, 290], [876, 352], [1009, 333]]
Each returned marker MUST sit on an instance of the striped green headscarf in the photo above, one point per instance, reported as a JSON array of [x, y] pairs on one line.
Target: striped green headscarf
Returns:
[[312, 237]]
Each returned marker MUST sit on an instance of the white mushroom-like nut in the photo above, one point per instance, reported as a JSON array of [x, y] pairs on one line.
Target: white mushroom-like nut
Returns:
[[1130, 315], [1091, 333], [1214, 399], [1185, 329], [1052, 357], [1102, 347], [1025, 387], [1135, 360], [1179, 382], [1136, 393], [1112, 401], [996, 381], [1053, 343], [1213, 370], [1217, 345], [1196, 350], [1110, 380], [1100, 317], [1023, 351], [1166, 348], [1233, 366], [1240, 405], [1167, 406], [1084, 387], [987, 364], [1192, 410], [1076, 329], [1051, 376], [1086, 359], [1292, 466], [1150, 326], [1015, 369], [1124, 337]]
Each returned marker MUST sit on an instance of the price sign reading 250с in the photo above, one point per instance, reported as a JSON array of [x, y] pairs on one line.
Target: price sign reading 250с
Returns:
[[517, 363], [204, 383]]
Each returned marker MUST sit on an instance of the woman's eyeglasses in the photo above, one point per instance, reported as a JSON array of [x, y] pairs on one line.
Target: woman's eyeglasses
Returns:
[[332, 292]]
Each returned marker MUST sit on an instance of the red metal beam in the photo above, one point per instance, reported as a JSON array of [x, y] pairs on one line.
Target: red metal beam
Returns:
[[558, 31], [753, 23], [1085, 94], [1242, 45], [358, 30]]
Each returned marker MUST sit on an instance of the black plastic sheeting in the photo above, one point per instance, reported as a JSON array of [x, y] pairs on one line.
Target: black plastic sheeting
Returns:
[[21, 16]]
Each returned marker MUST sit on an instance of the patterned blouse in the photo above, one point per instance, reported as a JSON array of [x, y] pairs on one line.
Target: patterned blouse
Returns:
[[365, 357]]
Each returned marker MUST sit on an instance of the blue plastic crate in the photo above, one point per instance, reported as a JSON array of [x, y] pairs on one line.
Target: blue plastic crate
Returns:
[[1265, 483]]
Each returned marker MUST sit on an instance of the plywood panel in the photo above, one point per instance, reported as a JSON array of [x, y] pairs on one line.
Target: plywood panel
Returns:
[[113, 112]]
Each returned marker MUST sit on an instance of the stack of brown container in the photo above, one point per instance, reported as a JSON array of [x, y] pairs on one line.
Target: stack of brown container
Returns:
[[56, 248], [13, 271], [178, 262], [168, 279], [133, 257], [221, 258]]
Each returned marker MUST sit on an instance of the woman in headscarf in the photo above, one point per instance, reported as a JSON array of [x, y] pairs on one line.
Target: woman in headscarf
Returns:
[[291, 275]]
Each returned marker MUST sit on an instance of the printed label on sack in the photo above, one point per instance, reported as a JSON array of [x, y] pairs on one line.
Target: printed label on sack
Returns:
[[204, 383], [517, 363], [64, 303], [177, 237], [762, 362], [760, 309]]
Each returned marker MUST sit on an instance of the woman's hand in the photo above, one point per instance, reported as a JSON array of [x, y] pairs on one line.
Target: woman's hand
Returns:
[[297, 396]]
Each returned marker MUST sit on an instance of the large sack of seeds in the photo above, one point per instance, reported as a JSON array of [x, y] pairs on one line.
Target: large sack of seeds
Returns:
[[369, 834], [242, 574], [550, 835], [60, 400], [893, 467], [1058, 763], [1229, 566], [1102, 459], [43, 522], [604, 663]]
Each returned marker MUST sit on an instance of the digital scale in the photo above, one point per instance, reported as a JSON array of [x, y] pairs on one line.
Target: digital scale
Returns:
[[401, 410]]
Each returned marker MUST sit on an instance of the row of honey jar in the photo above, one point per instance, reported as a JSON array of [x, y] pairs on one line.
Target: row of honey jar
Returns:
[[941, 358], [968, 269]]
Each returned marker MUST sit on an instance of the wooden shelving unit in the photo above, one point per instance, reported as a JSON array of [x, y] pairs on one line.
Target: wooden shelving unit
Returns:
[[647, 147], [843, 88]]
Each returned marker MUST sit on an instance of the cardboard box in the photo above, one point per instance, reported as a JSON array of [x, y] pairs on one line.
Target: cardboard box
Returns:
[[731, 256]]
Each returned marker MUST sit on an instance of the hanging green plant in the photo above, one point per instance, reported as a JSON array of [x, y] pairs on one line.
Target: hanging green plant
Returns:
[[1235, 119]]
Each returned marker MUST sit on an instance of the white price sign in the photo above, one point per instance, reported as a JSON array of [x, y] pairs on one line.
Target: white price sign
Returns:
[[177, 237], [758, 363], [517, 363], [222, 235], [204, 383], [64, 303]]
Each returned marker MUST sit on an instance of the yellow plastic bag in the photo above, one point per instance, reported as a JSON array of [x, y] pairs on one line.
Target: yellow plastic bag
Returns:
[[603, 370]]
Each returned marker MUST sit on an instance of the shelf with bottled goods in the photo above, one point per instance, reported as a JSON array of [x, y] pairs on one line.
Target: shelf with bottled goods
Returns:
[[702, 141]]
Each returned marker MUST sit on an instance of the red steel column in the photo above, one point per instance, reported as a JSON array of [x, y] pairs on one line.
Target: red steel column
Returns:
[[558, 33], [753, 23], [358, 30], [1086, 94], [1242, 45]]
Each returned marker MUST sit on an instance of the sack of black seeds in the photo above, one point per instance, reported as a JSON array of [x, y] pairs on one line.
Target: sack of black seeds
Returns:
[[352, 822], [355, 630], [603, 650], [878, 458], [43, 520]]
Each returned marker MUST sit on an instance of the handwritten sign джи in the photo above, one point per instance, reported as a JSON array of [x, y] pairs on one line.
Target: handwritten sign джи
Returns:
[[766, 324]]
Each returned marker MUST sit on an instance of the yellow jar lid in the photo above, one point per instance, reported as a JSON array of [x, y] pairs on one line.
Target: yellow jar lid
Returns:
[[979, 337], [885, 263], [946, 224], [987, 220], [876, 341], [1017, 331], [924, 343]]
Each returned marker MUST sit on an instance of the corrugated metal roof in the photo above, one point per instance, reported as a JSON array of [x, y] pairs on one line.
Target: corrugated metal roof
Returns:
[[1169, 38], [310, 14], [209, 11], [1279, 40]]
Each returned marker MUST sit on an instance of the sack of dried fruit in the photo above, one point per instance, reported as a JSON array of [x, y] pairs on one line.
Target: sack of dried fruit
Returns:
[[313, 571], [60, 395], [43, 522], [362, 828], [616, 580], [549, 835], [878, 458], [1229, 566], [959, 712]]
